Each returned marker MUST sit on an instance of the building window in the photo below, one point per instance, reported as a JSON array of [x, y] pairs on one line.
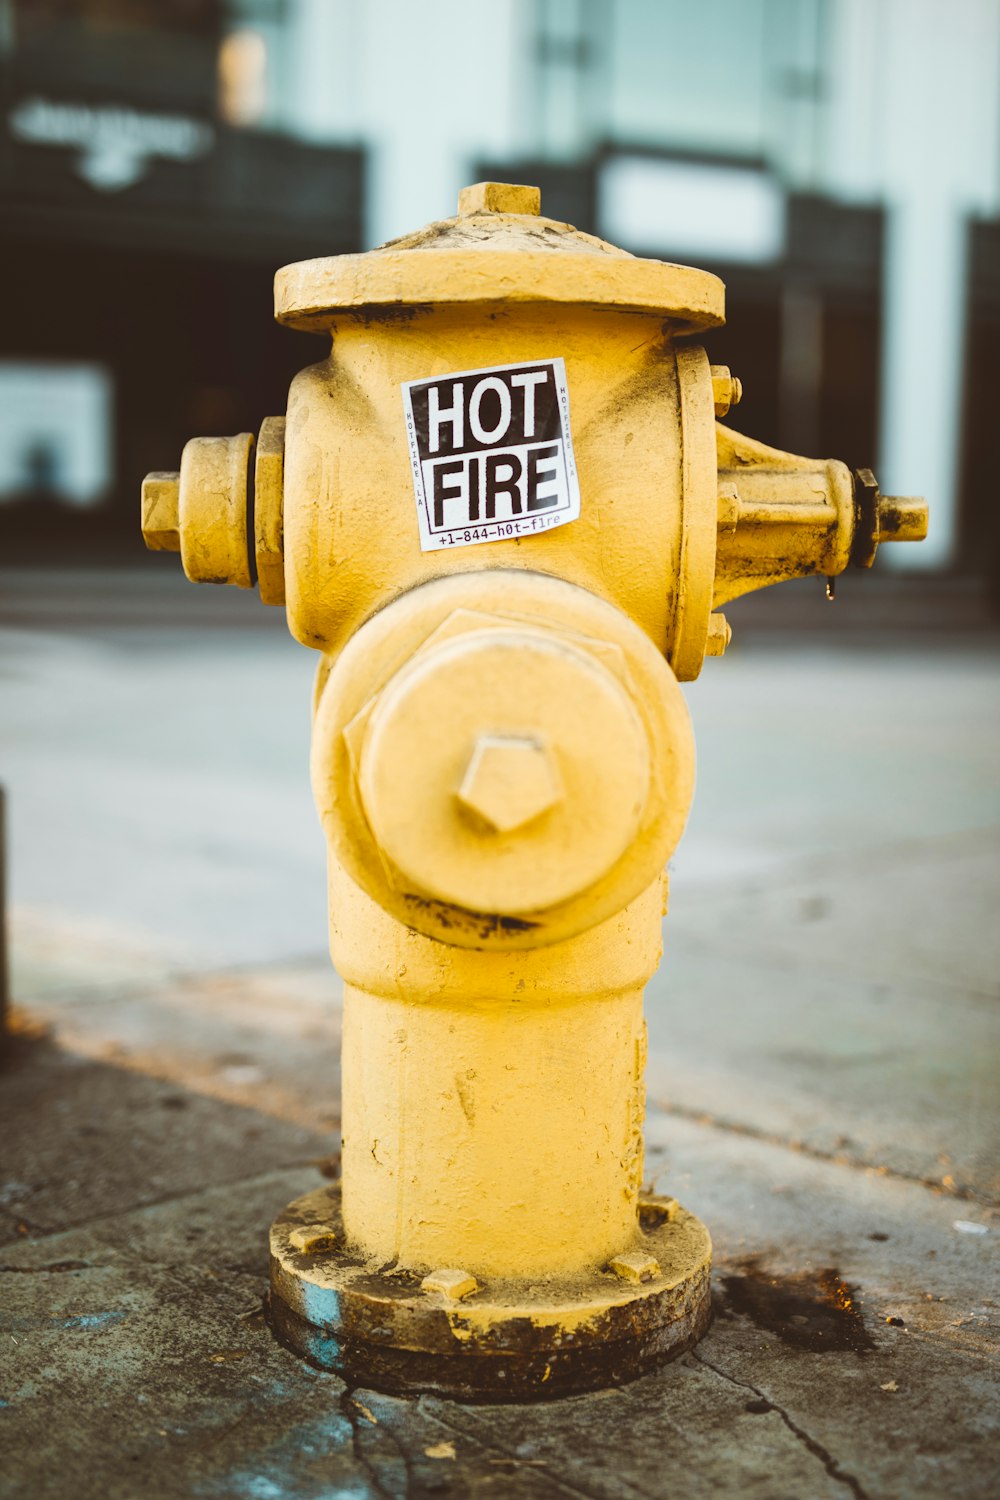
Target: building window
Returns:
[[55, 432]]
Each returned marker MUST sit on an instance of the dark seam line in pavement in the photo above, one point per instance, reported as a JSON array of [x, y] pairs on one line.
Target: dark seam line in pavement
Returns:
[[216, 1435], [817, 1450], [836, 1158], [570, 1487], [138, 1208], [353, 1417], [53, 1269]]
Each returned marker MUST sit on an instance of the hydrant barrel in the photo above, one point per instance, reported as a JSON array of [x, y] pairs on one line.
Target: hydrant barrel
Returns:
[[493, 1112]]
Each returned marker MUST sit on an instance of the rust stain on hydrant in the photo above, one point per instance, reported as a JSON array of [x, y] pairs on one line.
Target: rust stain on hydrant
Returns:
[[504, 512]]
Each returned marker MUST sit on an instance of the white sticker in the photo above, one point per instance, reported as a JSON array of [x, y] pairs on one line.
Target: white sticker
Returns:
[[492, 454]]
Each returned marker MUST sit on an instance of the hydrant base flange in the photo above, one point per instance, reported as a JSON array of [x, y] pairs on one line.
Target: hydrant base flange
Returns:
[[505, 1341]]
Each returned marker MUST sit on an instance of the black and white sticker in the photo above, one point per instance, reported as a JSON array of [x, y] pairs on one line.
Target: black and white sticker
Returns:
[[492, 454]]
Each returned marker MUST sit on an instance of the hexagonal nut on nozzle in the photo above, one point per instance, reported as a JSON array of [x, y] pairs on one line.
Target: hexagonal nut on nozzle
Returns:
[[161, 511], [727, 389], [510, 780], [720, 633]]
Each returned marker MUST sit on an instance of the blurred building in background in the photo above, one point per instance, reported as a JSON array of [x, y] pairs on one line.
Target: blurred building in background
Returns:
[[837, 162]]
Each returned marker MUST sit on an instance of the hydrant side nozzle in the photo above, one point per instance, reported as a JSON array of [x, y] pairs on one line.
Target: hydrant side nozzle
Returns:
[[203, 511]]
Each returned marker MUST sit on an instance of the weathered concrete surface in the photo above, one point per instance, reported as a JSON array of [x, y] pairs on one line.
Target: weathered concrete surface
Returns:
[[136, 1361], [823, 1049]]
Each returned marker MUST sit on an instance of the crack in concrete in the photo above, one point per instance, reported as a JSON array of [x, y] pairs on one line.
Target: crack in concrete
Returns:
[[354, 1418], [570, 1487], [837, 1158], [826, 1458], [53, 1268]]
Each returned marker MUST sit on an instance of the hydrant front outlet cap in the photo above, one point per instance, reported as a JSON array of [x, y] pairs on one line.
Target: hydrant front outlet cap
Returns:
[[502, 760], [527, 731]]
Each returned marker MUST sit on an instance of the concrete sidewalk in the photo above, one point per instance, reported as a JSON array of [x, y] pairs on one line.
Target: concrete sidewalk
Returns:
[[822, 1088]]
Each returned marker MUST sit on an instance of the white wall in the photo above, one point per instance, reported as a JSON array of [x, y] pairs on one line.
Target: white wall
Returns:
[[892, 101], [428, 87], [914, 122]]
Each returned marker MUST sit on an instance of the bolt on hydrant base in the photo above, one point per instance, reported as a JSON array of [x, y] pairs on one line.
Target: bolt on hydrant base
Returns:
[[492, 1340]]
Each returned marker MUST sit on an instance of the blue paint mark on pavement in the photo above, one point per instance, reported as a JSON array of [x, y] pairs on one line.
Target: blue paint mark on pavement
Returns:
[[296, 1465], [89, 1320]]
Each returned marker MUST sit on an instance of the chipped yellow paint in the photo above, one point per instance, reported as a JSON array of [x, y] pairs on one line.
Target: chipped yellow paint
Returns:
[[525, 1176]]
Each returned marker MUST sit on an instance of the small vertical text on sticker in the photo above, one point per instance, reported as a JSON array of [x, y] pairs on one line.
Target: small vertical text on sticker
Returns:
[[491, 453]]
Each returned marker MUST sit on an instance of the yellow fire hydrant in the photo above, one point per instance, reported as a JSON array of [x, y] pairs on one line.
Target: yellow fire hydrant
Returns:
[[504, 512]]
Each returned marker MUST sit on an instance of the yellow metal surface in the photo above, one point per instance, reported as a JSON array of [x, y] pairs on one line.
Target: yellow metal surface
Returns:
[[901, 518], [450, 1283], [510, 781], [581, 756], [727, 389], [161, 512], [499, 198], [493, 1101], [213, 510], [502, 758], [501, 654], [635, 1266], [497, 252], [202, 511], [349, 466], [695, 503], [268, 512]]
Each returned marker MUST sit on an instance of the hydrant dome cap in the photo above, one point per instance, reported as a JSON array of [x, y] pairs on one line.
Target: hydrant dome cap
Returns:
[[486, 254]]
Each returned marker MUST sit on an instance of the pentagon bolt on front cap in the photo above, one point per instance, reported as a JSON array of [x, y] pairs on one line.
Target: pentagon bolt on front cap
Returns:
[[503, 512]]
